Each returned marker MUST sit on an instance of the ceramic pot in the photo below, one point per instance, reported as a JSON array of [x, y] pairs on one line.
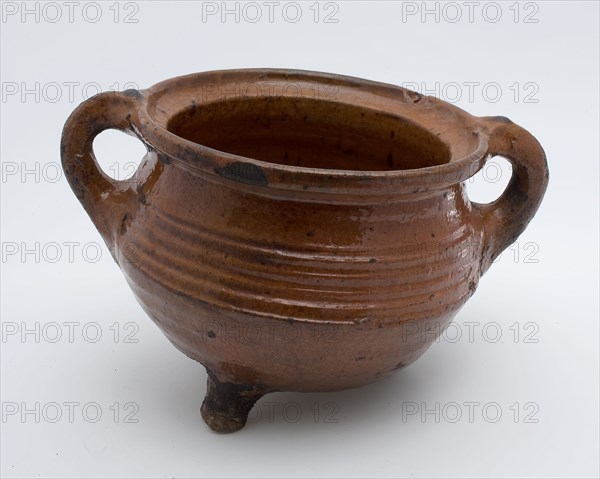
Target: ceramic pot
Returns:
[[299, 231]]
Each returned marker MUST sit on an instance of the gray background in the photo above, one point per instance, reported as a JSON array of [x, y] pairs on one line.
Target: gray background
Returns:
[[539, 68]]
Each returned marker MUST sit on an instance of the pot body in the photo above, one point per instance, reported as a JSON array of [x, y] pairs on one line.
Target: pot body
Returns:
[[296, 293]]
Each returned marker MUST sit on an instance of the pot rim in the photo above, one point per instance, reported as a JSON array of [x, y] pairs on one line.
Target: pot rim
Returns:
[[201, 159]]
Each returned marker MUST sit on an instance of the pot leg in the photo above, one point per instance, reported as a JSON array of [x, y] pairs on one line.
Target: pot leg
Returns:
[[227, 405]]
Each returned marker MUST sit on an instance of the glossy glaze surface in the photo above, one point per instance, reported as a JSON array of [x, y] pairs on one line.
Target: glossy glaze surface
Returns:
[[299, 231]]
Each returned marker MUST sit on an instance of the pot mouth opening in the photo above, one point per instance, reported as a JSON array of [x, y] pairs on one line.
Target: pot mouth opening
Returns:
[[295, 130], [310, 133]]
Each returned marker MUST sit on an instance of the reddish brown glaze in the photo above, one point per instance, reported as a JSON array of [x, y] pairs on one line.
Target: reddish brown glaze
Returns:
[[299, 231]]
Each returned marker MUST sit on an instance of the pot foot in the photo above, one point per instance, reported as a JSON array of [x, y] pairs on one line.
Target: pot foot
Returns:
[[227, 405]]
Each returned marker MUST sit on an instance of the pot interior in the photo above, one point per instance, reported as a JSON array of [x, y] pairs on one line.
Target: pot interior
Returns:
[[311, 133]]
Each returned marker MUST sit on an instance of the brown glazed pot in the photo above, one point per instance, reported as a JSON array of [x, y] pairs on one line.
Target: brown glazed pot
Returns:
[[299, 231]]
